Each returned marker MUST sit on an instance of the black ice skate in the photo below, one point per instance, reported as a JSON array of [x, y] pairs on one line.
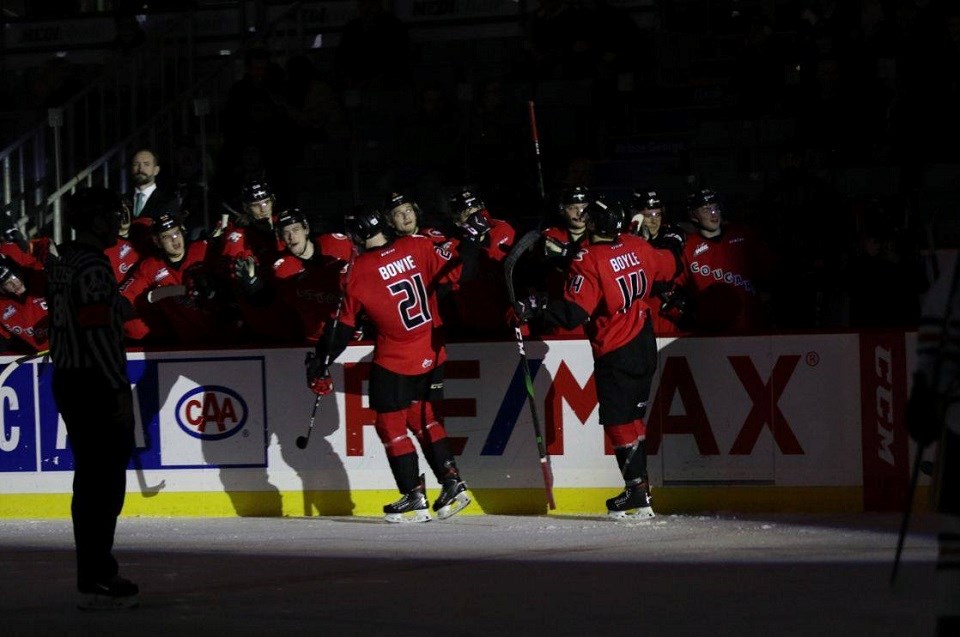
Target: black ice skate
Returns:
[[412, 507], [112, 594], [452, 499], [633, 502]]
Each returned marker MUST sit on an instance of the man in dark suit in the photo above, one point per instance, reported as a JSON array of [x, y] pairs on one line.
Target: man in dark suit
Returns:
[[147, 200]]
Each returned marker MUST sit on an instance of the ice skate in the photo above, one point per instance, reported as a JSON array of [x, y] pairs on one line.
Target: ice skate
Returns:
[[412, 507], [452, 499], [113, 594], [633, 502]]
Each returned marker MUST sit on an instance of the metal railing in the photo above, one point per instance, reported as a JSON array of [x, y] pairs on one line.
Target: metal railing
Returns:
[[184, 116]]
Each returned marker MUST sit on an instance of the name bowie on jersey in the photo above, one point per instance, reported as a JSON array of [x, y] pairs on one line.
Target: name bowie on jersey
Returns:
[[624, 261], [397, 267]]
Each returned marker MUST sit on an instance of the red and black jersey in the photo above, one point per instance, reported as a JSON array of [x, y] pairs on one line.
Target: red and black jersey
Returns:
[[240, 242], [394, 287], [336, 245], [434, 235], [611, 283], [479, 302], [123, 258], [555, 274], [30, 262], [310, 288], [179, 317], [25, 319], [723, 275]]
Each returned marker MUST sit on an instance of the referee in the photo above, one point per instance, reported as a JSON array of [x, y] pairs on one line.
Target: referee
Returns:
[[92, 390]]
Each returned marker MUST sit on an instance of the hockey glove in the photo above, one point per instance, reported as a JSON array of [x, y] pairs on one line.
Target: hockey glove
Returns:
[[924, 419], [246, 271], [474, 228], [318, 376], [200, 285], [527, 309], [554, 249]]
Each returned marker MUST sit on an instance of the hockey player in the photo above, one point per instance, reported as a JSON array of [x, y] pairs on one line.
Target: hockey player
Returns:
[[306, 281], [393, 282], [23, 313], [667, 300], [607, 288], [726, 268], [561, 242], [92, 390], [933, 413], [479, 299], [192, 318], [252, 234], [403, 214]]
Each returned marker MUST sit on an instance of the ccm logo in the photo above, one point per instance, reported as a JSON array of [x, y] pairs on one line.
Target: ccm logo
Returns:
[[211, 412]]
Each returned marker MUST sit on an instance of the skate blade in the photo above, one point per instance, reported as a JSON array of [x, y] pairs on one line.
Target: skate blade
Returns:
[[105, 602], [634, 514], [420, 515], [460, 501]]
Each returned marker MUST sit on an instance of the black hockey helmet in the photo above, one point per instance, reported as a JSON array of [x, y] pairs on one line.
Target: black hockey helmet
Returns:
[[364, 222], [397, 199], [571, 196], [255, 190], [645, 199], [290, 217], [606, 219], [463, 201], [702, 197], [86, 205], [166, 221]]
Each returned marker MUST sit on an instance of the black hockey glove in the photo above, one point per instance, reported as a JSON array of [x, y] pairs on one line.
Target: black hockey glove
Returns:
[[200, 285], [474, 228], [924, 418], [530, 308], [673, 299], [318, 376], [249, 279]]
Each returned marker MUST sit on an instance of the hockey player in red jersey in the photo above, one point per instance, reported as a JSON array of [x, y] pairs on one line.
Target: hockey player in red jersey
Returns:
[[726, 268], [393, 282], [306, 281], [189, 318], [253, 233], [607, 288], [479, 300], [561, 242], [23, 313], [667, 300], [404, 216]]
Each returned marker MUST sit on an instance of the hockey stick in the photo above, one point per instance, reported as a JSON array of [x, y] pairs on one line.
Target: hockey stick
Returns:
[[12, 365], [535, 137], [522, 245], [166, 292], [303, 441], [905, 522]]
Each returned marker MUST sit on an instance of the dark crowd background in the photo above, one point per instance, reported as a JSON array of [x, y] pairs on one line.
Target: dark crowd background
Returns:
[[829, 126]]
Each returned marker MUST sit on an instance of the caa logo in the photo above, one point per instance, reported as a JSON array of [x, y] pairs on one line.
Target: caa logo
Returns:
[[211, 412]]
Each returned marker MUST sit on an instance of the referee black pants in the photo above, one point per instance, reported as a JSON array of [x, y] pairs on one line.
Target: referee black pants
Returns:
[[99, 421]]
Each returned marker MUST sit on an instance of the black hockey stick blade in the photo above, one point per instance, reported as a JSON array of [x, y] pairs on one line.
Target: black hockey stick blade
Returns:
[[905, 522], [303, 441], [166, 292]]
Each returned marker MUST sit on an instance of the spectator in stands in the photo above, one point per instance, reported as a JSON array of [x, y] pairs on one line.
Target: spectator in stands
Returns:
[[147, 200]]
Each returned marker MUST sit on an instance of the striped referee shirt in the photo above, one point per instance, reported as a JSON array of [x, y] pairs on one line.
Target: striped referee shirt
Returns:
[[86, 326]]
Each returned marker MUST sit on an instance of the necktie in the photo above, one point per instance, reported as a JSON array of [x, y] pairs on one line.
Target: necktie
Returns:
[[138, 204]]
